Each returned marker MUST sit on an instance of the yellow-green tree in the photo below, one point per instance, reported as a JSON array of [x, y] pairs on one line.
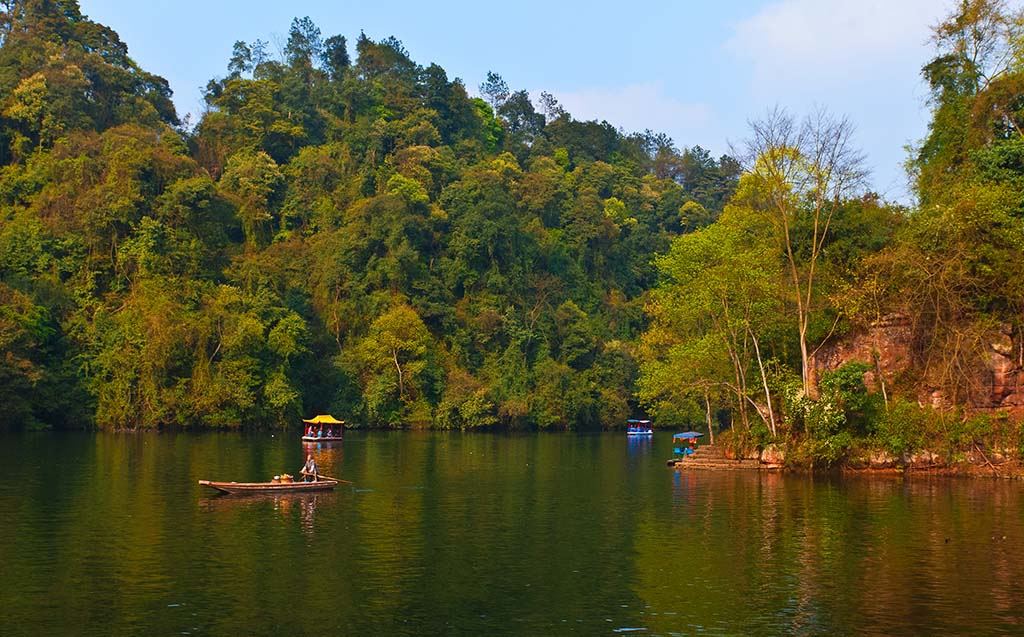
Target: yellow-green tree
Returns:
[[253, 179], [799, 175], [395, 368], [717, 301]]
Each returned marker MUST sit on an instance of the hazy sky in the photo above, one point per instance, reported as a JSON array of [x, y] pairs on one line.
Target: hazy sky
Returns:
[[697, 70]]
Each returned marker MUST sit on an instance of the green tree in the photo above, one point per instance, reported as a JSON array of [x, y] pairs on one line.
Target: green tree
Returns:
[[395, 367], [254, 181], [801, 173], [25, 329], [717, 301], [494, 90], [975, 84], [258, 266]]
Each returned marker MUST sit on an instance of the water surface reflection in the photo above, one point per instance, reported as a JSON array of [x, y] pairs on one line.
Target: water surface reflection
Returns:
[[444, 533]]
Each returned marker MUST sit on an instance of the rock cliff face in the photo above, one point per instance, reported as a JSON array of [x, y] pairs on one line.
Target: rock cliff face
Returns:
[[1007, 371], [885, 346]]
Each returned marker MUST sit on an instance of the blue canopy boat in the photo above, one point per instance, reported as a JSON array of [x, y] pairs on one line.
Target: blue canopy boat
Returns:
[[685, 443], [639, 428]]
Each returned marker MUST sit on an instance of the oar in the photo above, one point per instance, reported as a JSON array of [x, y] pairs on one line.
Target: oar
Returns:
[[335, 479], [320, 475]]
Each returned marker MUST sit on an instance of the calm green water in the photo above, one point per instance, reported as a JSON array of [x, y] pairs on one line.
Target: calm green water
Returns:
[[451, 534]]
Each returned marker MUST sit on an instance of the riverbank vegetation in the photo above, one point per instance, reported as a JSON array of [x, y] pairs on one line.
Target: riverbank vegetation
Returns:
[[799, 261], [346, 230]]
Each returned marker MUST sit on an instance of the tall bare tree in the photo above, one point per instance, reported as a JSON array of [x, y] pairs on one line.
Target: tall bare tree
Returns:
[[800, 173]]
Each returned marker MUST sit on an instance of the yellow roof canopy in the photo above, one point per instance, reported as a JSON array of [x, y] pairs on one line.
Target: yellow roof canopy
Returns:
[[324, 419]]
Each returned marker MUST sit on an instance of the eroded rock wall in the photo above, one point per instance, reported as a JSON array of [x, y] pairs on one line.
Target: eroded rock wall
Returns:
[[885, 346]]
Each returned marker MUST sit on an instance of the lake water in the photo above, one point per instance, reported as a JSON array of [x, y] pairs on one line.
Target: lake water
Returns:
[[485, 534]]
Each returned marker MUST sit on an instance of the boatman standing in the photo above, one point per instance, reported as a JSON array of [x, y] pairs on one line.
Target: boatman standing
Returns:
[[309, 470]]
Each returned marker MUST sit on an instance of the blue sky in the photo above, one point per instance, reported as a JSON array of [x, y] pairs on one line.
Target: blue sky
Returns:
[[696, 70]]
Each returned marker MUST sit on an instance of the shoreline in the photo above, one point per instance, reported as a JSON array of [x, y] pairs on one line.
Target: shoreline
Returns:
[[1010, 470]]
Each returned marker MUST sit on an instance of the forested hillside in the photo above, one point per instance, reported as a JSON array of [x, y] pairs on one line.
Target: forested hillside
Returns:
[[341, 231], [928, 301], [346, 230]]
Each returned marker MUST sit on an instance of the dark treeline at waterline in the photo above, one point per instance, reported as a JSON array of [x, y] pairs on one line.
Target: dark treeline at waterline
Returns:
[[345, 230]]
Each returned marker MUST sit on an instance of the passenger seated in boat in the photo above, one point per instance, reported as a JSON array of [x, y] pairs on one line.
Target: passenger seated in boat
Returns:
[[309, 470], [330, 432]]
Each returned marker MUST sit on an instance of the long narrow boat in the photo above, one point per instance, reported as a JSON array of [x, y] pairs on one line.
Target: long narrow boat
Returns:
[[239, 488]]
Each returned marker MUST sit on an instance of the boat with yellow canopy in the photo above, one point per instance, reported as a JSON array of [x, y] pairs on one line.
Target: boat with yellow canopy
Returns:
[[323, 428]]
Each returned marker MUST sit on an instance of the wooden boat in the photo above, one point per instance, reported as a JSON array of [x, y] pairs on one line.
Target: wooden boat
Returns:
[[241, 488]]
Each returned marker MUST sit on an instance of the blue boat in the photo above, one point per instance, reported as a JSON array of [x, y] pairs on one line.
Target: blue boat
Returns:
[[639, 428], [685, 443]]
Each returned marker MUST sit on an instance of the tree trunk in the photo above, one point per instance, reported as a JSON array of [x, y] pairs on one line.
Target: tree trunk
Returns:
[[401, 383], [707, 412], [881, 380], [764, 381]]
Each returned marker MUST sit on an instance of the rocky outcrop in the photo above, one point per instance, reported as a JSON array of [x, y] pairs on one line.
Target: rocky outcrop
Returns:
[[885, 347], [923, 459], [773, 456], [1006, 365], [974, 463]]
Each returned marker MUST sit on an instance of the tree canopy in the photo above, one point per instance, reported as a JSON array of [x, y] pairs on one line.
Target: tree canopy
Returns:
[[344, 231], [350, 231]]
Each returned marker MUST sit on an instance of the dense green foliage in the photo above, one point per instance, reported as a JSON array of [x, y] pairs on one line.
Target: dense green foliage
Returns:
[[347, 234], [356, 234], [801, 256]]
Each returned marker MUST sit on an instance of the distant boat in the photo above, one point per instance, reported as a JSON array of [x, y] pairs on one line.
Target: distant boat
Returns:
[[242, 488], [316, 433], [639, 428]]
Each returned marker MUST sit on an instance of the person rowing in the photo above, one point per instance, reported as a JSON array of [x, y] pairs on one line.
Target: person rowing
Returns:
[[309, 470]]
